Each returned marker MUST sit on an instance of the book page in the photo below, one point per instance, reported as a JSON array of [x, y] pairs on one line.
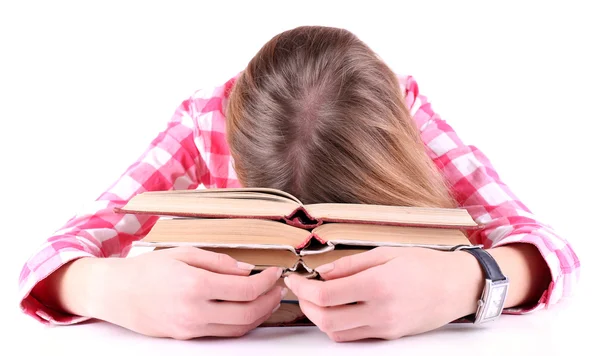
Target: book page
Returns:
[[260, 257], [370, 235], [313, 261], [391, 214], [242, 193], [186, 204], [246, 232]]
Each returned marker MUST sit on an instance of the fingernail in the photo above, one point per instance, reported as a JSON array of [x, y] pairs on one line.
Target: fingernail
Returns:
[[287, 282], [279, 272], [283, 292], [325, 268], [275, 309], [245, 266]]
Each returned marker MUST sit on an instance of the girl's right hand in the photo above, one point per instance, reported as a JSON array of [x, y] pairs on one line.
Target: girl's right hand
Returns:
[[181, 293]]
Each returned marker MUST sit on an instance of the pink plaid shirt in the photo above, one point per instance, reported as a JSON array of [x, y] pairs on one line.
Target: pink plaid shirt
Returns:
[[192, 152]]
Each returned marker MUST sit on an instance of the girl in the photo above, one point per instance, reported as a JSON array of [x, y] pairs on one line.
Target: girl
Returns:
[[318, 114]]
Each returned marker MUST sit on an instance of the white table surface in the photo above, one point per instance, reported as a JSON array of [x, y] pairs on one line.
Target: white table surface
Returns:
[[559, 331]]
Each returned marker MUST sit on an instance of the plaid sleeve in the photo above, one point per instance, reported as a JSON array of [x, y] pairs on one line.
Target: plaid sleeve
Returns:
[[171, 161], [480, 190]]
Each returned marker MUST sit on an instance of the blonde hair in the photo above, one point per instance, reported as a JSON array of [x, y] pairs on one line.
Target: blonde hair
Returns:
[[318, 114]]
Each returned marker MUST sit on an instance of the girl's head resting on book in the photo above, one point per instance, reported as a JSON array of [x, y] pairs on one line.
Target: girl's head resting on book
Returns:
[[318, 114]]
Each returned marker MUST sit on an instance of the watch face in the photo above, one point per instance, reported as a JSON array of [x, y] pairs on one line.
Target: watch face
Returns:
[[496, 299]]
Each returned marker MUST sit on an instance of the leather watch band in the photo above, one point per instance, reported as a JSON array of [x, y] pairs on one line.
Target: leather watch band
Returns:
[[488, 263]]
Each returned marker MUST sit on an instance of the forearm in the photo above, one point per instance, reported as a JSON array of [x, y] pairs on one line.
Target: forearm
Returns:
[[75, 287], [522, 263]]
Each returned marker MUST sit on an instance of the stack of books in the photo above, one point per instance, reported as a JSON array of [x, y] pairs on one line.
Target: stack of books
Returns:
[[269, 227]]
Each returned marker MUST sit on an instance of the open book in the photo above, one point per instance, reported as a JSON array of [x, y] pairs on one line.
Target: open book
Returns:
[[273, 204], [268, 227], [266, 243]]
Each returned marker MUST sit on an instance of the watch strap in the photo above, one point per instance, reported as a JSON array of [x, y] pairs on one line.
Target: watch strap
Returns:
[[489, 265]]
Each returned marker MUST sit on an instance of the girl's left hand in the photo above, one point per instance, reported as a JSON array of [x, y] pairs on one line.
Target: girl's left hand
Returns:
[[390, 292]]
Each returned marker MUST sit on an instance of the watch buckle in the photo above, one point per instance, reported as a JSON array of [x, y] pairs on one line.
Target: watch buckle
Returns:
[[466, 247]]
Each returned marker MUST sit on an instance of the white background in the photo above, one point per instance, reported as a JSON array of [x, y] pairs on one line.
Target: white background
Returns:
[[85, 86]]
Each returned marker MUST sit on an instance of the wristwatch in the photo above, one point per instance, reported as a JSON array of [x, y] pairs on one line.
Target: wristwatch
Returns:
[[495, 290]]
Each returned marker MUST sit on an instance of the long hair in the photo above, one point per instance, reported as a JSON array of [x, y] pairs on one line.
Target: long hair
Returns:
[[318, 114]]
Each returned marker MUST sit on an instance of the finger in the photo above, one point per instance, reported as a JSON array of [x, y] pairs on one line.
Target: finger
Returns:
[[223, 330], [343, 317], [356, 263], [341, 291], [240, 288], [246, 313], [360, 333], [210, 261]]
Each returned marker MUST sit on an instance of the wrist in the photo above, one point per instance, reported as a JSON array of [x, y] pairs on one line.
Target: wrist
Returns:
[[466, 283], [104, 275], [78, 287]]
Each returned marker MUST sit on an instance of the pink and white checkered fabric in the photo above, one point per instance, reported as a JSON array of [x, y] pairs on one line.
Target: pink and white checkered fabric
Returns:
[[192, 152]]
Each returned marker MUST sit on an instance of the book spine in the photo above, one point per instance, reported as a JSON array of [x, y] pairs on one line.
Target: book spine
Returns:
[[308, 240], [300, 218], [392, 223]]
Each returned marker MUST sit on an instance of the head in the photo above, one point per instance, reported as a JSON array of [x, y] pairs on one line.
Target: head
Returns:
[[318, 114]]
